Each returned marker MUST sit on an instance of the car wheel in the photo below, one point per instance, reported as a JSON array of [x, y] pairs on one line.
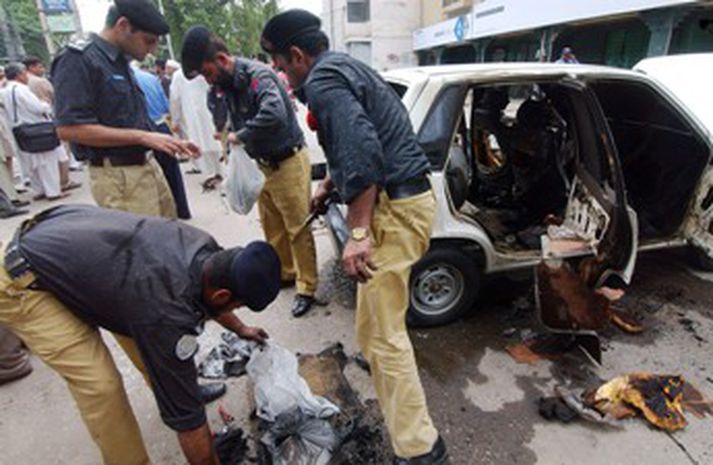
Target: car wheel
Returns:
[[444, 285], [700, 259]]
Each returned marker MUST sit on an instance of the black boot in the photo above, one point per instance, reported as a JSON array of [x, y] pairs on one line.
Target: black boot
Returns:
[[437, 456], [211, 391], [301, 305]]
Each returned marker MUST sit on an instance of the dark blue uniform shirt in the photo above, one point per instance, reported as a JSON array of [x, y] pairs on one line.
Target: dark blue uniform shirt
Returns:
[[261, 112], [94, 85], [133, 275], [362, 125]]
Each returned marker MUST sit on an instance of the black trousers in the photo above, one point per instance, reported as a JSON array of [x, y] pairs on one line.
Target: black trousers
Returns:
[[170, 168]]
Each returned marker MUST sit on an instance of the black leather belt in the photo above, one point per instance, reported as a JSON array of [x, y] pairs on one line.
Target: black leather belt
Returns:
[[408, 188], [274, 161], [133, 159], [15, 264]]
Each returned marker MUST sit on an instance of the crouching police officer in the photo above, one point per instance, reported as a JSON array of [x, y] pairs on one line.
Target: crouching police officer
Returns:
[[152, 282], [101, 110], [265, 123], [380, 171]]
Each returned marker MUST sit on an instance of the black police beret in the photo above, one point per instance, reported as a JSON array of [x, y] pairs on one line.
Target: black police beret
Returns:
[[255, 275], [282, 29], [144, 15], [194, 50]]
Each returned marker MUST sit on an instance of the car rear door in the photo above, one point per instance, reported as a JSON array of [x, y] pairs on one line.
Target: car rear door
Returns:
[[686, 80], [594, 248]]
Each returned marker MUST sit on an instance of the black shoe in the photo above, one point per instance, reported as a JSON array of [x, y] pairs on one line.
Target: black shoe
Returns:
[[301, 305], [437, 456], [20, 203], [287, 283], [211, 391], [14, 212]]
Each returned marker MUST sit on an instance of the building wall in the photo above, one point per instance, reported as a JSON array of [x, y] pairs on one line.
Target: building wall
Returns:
[[612, 32], [388, 32], [431, 12]]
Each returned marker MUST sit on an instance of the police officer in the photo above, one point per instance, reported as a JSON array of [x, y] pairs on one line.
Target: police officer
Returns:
[[150, 280], [380, 171], [100, 109], [265, 124]]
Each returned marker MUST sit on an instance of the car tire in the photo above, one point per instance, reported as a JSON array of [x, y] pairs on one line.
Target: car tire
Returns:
[[700, 259], [443, 287]]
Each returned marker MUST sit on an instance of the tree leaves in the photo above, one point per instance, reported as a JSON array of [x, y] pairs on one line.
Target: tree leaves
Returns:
[[239, 23]]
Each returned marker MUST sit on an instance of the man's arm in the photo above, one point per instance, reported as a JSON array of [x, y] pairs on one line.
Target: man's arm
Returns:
[[231, 322], [175, 105], [197, 446], [272, 111], [356, 258], [98, 135], [25, 97]]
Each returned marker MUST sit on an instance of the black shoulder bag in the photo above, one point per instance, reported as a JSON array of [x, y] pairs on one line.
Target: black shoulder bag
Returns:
[[34, 137]]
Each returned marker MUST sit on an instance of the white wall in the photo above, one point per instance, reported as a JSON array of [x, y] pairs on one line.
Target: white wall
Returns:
[[390, 30]]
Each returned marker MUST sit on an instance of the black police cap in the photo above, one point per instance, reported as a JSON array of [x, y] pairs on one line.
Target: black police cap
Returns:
[[144, 15], [282, 29], [194, 51], [255, 275]]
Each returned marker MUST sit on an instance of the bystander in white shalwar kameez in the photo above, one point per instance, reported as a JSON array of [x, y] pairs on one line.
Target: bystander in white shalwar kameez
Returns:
[[43, 166], [190, 114]]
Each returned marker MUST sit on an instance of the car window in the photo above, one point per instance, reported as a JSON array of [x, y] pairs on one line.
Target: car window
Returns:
[[437, 130], [399, 88]]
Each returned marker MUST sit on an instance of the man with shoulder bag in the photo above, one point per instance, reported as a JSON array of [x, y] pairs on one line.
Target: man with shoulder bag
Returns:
[[34, 132]]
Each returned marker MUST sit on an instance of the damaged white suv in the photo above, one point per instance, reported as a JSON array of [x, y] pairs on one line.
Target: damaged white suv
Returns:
[[541, 161]]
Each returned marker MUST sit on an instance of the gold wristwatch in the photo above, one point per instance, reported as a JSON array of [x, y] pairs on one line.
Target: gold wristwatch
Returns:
[[359, 234]]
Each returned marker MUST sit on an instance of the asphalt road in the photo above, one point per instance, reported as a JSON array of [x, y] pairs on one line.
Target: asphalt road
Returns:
[[483, 402]]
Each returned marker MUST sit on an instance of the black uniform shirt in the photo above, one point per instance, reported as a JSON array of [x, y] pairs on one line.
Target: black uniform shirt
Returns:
[[134, 275], [261, 111], [362, 125], [94, 85]]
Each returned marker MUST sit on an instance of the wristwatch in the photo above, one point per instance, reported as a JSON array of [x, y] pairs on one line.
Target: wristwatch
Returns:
[[359, 234]]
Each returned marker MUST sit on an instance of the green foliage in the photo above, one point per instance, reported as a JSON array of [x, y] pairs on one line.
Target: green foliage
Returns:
[[239, 23], [22, 15]]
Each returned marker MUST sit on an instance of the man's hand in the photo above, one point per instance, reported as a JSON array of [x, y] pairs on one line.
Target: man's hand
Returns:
[[253, 333], [320, 196], [197, 446], [169, 144], [357, 260], [233, 138]]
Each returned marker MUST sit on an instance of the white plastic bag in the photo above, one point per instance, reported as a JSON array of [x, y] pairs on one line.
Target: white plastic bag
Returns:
[[279, 387], [244, 182]]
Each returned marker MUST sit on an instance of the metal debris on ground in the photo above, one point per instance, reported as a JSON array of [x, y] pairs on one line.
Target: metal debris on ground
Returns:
[[296, 438], [297, 430], [228, 359], [357, 430], [537, 347], [231, 446], [661, 399]]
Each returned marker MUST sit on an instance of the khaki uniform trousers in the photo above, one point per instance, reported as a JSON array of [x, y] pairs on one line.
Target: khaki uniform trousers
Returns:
[[283, 206], [77, 352], [140, 189], [401, 231]]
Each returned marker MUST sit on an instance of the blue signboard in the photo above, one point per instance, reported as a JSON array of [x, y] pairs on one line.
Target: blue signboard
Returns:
[[57, 6], [461, 28]]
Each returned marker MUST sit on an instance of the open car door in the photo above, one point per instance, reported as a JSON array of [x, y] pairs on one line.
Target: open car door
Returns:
[[687, 78], [590, 256]]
